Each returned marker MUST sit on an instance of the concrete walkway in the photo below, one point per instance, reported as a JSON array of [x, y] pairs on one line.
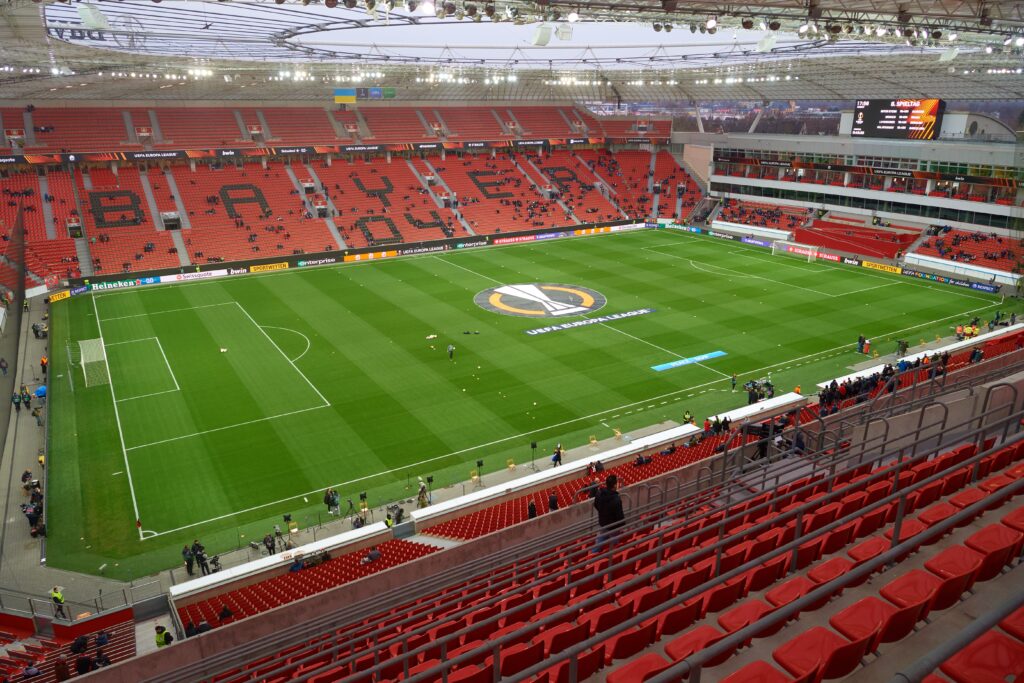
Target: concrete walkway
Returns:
[[22, 568]]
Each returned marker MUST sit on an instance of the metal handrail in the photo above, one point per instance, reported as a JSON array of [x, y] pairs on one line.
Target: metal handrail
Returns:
[[916, 672], [799, 539], [735, 639], [692, 665], [573, 530]]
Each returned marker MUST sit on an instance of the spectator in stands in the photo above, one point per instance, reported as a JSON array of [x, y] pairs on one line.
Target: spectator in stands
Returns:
[[297, 565], [190, 629], [84, 665], [531, 510], [610, 516], [371, 557], [225, 613], [100, 660], [80, 645], [61, 671], [203, 627], [552, 502]]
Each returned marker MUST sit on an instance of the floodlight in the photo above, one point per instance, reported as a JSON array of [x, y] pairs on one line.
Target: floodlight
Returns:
[[572, 18], [711, 23]]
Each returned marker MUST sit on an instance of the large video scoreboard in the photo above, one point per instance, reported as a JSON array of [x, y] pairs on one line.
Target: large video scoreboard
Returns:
[[906, 119]]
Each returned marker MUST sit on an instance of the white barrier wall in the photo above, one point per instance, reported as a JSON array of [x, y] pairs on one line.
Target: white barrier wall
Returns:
[[962, 269], [752, 230], [951, 348]]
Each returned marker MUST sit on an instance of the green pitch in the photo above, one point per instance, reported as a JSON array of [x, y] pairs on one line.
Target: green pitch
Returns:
[[234, 401]]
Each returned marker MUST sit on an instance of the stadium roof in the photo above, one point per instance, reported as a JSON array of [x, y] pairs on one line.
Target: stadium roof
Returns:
[[462, 50]]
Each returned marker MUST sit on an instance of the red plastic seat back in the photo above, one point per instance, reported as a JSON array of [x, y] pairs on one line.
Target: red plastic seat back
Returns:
[[900, 624], [521, 656], [844, 660]]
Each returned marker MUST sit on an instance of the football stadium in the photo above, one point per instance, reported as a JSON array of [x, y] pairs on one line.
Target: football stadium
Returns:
[[481, 342]]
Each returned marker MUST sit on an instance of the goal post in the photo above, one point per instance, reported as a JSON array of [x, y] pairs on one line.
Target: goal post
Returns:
[[93, 359], [784, 248]]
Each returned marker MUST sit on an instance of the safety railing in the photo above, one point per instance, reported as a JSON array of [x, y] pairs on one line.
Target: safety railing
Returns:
[[661, 565], [692, 666], [919, 670]]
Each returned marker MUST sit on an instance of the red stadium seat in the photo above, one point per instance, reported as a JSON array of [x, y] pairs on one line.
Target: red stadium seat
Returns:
[[986, 660], [639, 670]]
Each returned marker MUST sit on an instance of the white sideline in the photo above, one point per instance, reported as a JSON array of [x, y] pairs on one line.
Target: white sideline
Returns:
[[955, 346], [117, 418]]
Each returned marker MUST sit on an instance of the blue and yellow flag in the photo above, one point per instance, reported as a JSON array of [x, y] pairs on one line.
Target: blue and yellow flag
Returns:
[[344, 95]]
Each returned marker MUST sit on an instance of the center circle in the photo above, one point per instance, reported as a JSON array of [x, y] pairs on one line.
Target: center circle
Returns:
[[540, 300]]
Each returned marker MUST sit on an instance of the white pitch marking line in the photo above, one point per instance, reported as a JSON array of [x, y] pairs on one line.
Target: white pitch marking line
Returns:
[[167, 362], [288, 329], [155, 393], [172, 310], [677, 395], [220, 429], [130, 341], [822, 266], [117, 416], [605, 325], [469, 270], [693, 263], [290, 361]]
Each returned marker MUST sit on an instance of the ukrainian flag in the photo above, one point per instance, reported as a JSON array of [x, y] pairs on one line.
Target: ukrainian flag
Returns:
[[344, 95]]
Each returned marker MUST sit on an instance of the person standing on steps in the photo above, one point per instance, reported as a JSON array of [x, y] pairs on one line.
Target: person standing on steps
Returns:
[[610, 516], [58, 603]]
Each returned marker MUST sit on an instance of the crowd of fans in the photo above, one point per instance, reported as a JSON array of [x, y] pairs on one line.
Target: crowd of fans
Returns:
[[763, 215], [968, 247]]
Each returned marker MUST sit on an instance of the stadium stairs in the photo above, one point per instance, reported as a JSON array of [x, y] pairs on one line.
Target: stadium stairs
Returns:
[[495, 196], [21, 648], [628, 174], [677, 568], [382, 203]]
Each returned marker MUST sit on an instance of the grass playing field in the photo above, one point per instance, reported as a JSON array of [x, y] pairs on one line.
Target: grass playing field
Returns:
[[327, 376]]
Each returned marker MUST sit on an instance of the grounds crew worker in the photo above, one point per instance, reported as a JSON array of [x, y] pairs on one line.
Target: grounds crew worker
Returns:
[[58, 603]]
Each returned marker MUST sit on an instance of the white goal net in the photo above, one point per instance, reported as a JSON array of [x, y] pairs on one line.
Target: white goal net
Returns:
[[93, 359], [802, 251]]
